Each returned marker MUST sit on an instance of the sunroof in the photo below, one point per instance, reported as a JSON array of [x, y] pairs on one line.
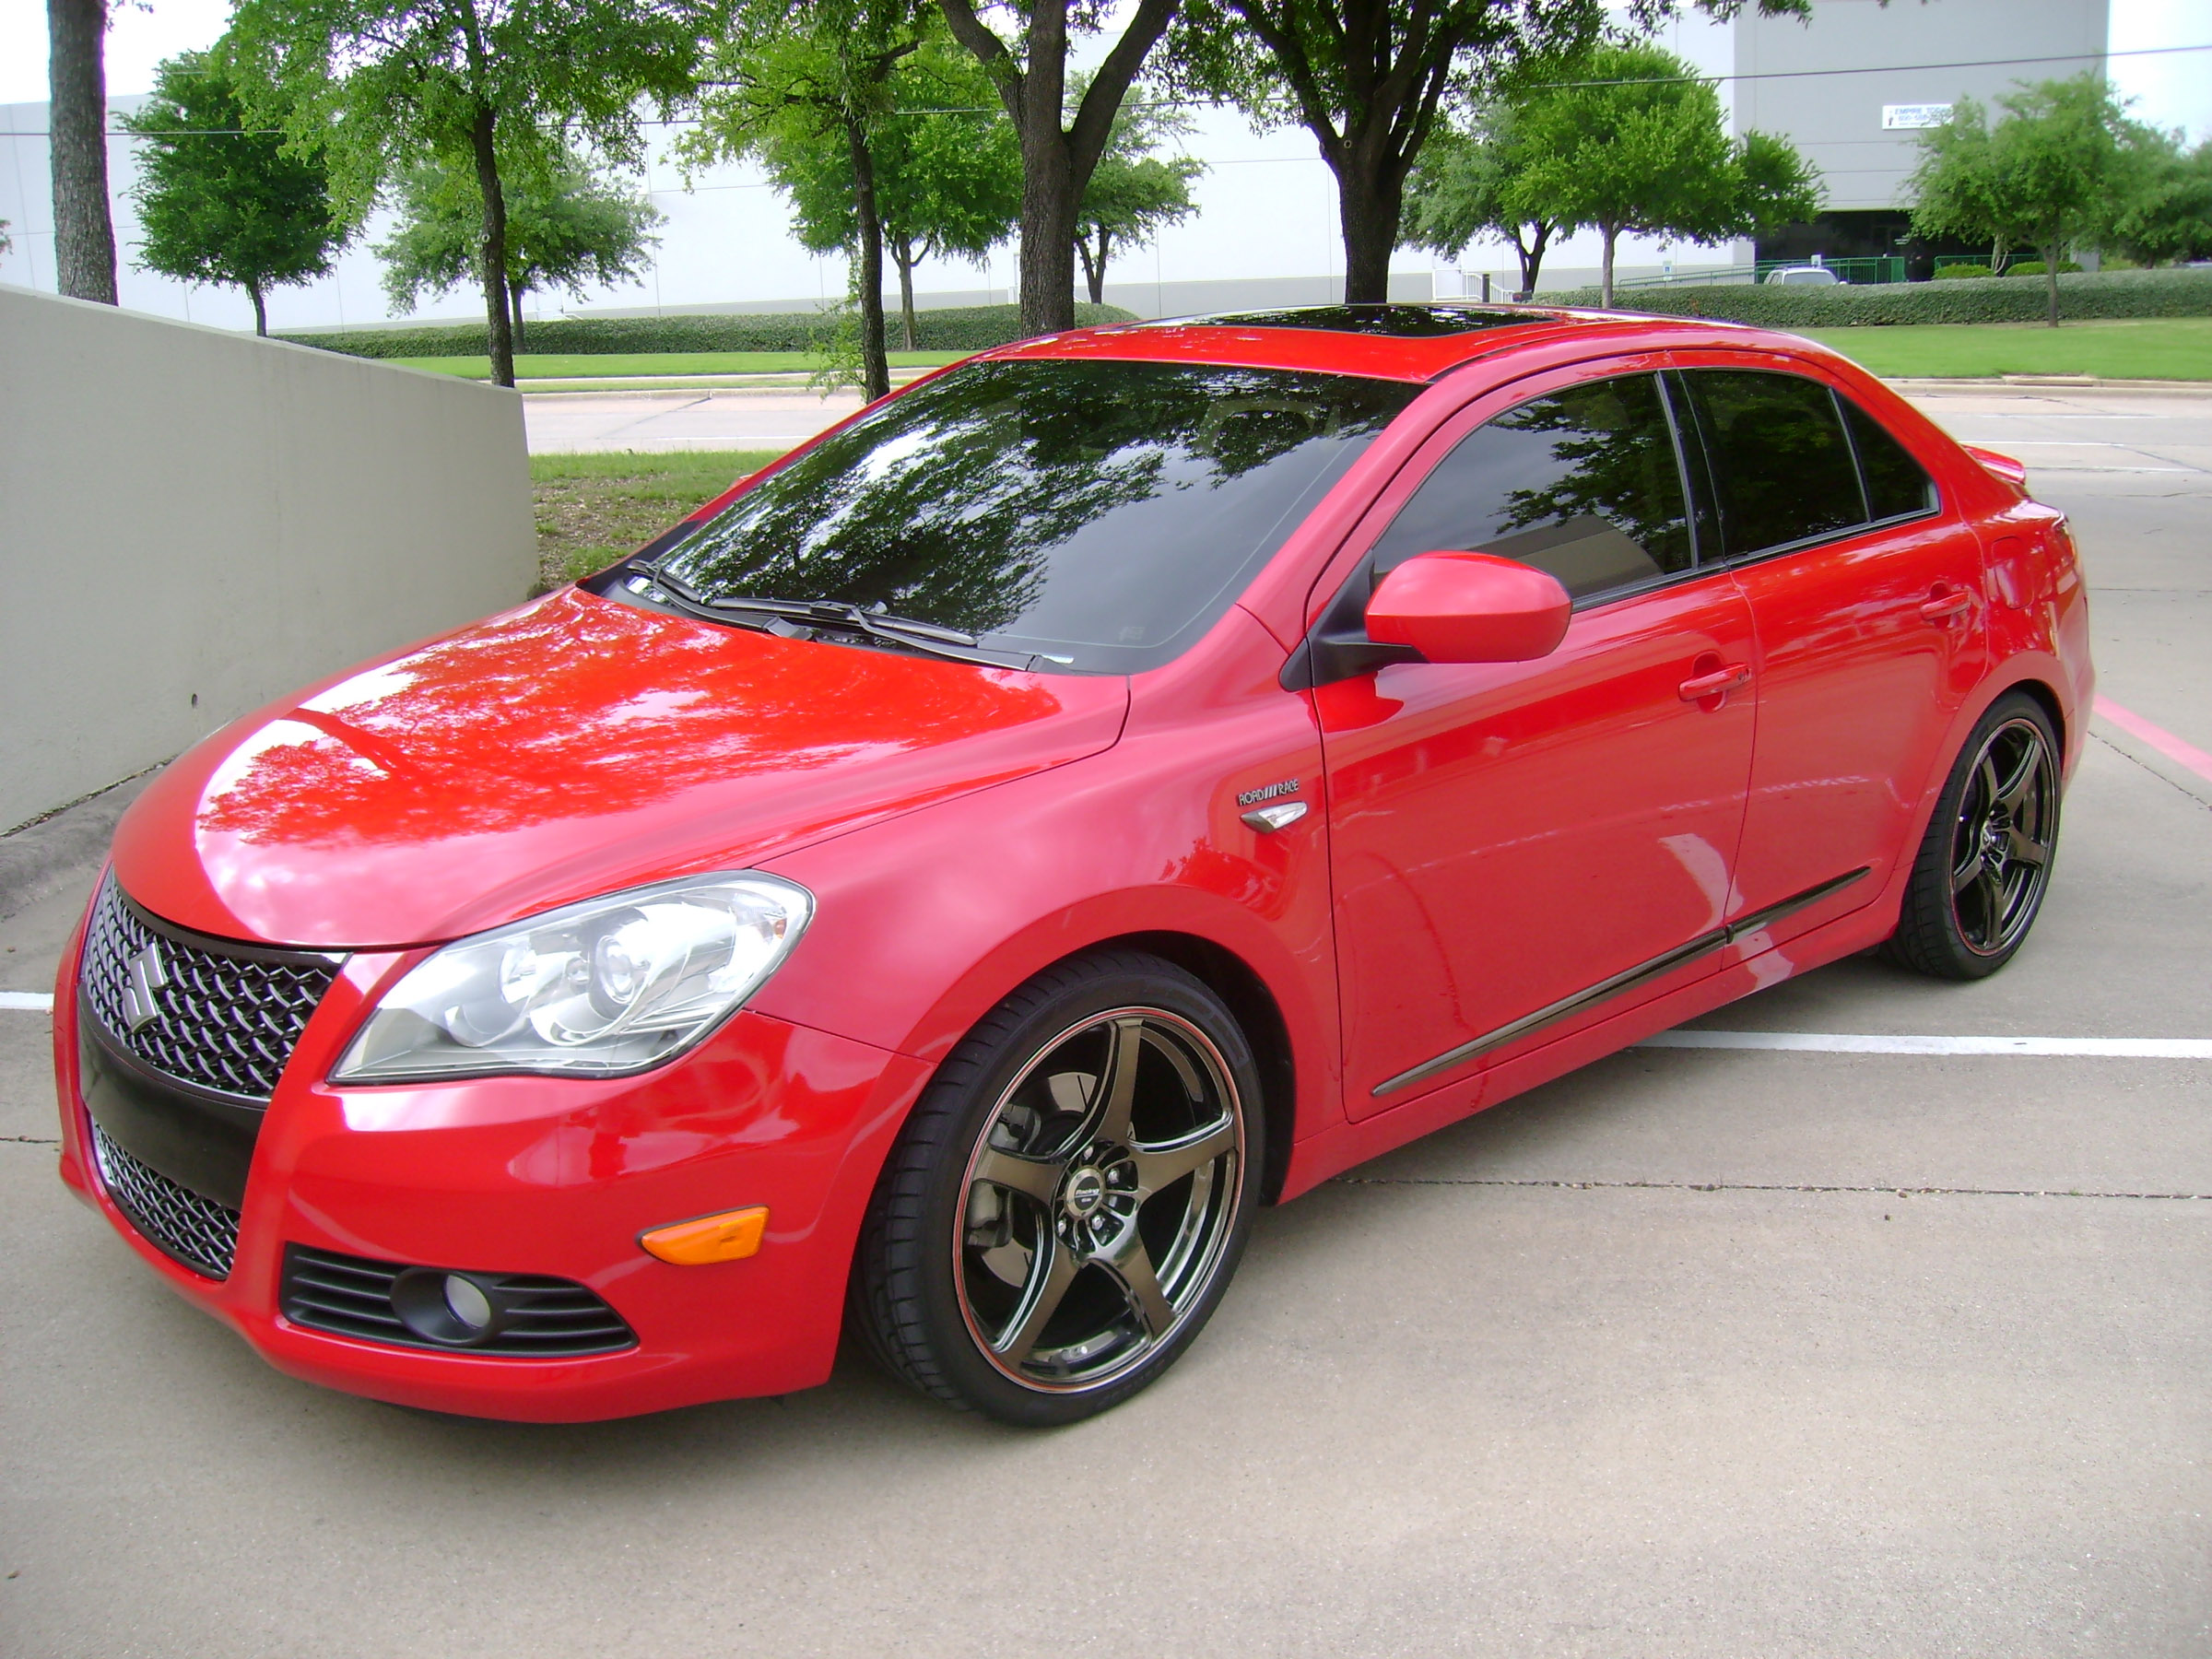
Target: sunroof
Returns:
[[1398, 322]]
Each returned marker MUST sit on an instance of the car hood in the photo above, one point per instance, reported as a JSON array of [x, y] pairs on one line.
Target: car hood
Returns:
[[575, 746]]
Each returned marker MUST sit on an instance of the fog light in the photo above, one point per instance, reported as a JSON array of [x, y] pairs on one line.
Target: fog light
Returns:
[[728, 1237], [454, 1309]]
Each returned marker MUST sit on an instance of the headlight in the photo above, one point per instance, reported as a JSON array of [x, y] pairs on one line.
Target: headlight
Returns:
[[597, 989]]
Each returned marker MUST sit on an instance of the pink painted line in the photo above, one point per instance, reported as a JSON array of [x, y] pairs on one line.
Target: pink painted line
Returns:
[[2157, 736]]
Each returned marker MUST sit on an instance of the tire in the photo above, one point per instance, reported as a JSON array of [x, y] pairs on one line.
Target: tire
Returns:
[[1984, 863], [1069, 1198]]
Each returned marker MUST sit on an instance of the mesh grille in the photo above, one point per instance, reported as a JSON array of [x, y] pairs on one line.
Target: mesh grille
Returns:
[[539, 1317], [199, 1231], [222, 1016]]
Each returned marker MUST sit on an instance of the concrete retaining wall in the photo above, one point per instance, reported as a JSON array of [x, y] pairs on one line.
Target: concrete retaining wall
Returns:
[[192, 522]]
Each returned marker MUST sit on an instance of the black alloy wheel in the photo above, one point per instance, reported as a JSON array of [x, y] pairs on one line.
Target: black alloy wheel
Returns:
[[1068, 1201], [1985, 864]]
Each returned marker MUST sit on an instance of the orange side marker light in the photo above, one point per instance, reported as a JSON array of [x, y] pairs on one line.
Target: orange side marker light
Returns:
[[729, 1237]]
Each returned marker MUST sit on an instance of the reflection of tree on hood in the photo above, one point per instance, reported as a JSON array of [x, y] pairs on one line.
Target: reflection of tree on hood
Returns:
[[951, 504]]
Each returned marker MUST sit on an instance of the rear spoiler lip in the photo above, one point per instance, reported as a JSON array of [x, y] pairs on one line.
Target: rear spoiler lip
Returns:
[[2001, 466]]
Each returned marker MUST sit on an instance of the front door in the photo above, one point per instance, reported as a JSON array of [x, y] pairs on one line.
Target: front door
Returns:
[[1517, 846], [1866, 598]]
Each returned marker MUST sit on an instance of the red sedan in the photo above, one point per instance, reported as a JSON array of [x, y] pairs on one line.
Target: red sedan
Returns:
[[941, 887]]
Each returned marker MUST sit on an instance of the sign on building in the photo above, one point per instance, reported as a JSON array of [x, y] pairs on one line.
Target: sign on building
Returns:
[[1908, 117]]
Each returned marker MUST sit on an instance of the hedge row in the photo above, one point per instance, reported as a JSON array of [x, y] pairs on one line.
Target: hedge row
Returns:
[[959, 328], [2093, 294]]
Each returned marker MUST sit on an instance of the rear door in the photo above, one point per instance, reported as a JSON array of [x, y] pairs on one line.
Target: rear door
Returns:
[[1865, 593], [1517, 846]]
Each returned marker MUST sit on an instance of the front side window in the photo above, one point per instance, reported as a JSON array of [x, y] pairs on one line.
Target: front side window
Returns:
[[1781, 462], [1092, 516], [1582, 482]]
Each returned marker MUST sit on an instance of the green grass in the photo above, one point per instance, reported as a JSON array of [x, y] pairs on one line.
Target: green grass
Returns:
[[631, 365], [593, 509], [2162, 348]]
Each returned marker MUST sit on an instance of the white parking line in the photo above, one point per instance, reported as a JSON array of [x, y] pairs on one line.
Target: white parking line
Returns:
[[30, 1002], [1828, 1042]]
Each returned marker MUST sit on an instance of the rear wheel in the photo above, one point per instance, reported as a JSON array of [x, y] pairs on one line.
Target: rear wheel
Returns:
[[1984, 863], [1067, 1202]]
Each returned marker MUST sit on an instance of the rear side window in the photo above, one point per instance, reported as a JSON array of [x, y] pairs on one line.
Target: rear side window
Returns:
[[1583, 483], [1897, 486], [1780, 462]]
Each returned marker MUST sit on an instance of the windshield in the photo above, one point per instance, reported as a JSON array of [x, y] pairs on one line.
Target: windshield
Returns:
[[1093, 516]]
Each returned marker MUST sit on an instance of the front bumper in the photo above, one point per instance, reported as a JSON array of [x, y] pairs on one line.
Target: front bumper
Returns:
[[558, 1177]]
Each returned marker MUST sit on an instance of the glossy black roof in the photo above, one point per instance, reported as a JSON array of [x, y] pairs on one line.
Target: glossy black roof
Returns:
[[1402, 322]]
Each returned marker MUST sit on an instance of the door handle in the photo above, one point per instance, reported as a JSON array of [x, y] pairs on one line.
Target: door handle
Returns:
[[1719, 683], [1944, 606]]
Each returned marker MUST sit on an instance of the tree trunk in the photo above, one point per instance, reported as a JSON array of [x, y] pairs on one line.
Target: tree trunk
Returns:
[[1604, 268], [875, 363], [1369, 200], [495, 248], [1094, 266], [904, 256], [84, 236], [515, 291], [1056, 163], [2051, 251], [261, 312], [1532, 257]]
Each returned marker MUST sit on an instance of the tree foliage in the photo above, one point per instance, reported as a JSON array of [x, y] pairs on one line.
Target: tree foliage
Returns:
[[2057, 170], [1471, 182], [2167, 213], [791, 86], [569, 225], [1369, 79], [386, 85], [221, 205], [948, 173], [1627, 139], [1132, 194]]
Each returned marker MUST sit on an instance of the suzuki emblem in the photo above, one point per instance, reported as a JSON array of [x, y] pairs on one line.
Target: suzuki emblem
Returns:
[[146, 975]]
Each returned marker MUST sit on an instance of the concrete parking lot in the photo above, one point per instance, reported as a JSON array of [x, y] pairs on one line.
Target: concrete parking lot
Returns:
[[1737, 1351]]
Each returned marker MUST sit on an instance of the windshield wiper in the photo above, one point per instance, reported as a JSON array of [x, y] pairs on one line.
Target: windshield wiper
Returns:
[[877, 624]]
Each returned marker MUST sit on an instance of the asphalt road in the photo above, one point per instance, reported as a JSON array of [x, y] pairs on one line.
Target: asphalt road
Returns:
[[1696, 1352]]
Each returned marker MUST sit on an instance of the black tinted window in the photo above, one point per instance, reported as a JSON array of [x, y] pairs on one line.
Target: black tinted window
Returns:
[[1100, 515], [1779, 459], [1895, 487], [1582, 483]]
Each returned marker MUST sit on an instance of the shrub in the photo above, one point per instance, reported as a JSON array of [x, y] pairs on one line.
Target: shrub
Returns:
[[2089, 295], [2036, 268], [1945, 273], [956, 328]]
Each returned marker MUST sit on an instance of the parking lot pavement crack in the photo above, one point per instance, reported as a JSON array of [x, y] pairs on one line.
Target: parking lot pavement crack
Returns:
[[1764, 1186], [2171, 783], [30, 1140]]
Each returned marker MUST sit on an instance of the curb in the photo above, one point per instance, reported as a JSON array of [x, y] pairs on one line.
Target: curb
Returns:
[[2040, 383], [52, 853]]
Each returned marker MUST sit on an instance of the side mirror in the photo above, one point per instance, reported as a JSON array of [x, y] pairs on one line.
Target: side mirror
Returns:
[[1470, 607]]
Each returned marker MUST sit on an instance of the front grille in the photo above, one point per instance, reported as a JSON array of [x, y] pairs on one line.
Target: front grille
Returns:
[[208, 1012], [540, 1318], [199, 1231]]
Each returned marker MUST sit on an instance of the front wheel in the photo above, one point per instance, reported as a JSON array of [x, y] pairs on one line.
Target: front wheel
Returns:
[[1984, 863], [1065, 1206]]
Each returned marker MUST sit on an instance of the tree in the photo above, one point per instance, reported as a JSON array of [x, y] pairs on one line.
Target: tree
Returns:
[[386, 85], [794, 81], [1628, 139], [2167, 213], [1133, 194], [1469, 184], [568, 227], [222, 205], [1368, 77], [2054, 172], [84, 234], [948, 173], [1058, 155]]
